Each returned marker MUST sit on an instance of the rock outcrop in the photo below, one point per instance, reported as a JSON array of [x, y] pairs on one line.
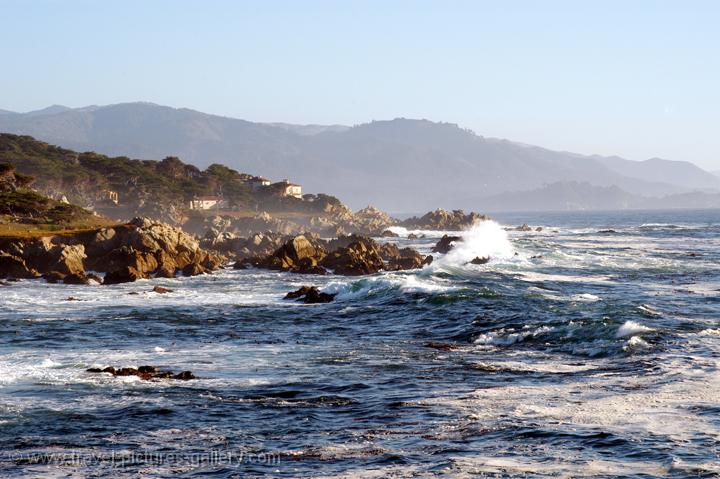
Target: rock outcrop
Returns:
[[144, 372], [440, 219], [351, 255], [310, 295], [446, 243], [136, 250]]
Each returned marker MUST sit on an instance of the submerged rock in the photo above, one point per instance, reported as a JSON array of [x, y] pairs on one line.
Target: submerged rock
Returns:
[[480, 260], [161, 290], [144, 372]]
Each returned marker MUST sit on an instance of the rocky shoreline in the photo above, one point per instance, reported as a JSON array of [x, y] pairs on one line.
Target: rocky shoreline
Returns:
[[144, 248], [124, 253]]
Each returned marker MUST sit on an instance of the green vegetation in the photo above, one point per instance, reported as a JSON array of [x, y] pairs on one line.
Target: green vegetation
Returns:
[[153, 186]]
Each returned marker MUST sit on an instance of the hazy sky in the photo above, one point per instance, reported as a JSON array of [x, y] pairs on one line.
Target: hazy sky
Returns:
[[634, 78]]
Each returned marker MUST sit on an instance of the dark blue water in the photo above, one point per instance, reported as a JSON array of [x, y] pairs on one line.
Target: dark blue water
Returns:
[[588, 353]]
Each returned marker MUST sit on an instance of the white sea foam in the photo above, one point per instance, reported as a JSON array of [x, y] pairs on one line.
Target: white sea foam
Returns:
[[485, 239], [631, 328], [500, 338], [636, 342]]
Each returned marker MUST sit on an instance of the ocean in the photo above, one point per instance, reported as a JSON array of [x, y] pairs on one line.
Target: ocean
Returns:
[[588, 349]]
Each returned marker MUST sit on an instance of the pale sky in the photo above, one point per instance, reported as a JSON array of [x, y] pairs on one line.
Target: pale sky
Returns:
[[634, 78]]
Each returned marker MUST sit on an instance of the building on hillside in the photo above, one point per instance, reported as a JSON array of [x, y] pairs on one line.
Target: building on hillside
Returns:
[[207, 202], [111, 196], [285, 188], [257, 182]]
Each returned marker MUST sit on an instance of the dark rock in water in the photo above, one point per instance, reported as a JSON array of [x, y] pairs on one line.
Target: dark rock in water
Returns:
[[412, 236], [537, 256], [428, 260], [289, 255], [128, 274], [161, 290], [310, 295], [133, 293], [53, 277], [298, 293], [607, 231], [14, 267], [440, 346], [184, 376], [359, 258], [126, 372], [408, 258], [444, 220], [309, 266], [76, 278], [523, 227], [193, 269], [446, 243], [144, 372], [94, 277], [479, 260], [539, 228], [72, 298], [389, 234]]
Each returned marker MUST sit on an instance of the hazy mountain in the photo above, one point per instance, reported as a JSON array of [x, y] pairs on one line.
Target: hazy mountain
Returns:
[[681, 173], [573, 196], [398, 165]]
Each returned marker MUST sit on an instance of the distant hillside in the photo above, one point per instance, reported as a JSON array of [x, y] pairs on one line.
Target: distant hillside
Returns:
[[575, 196], [399, 165], [160, 189], [681, 173]]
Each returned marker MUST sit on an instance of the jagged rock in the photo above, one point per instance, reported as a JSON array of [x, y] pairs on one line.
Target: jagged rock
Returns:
[[310, 295], [359, 258], [76, 278], [389, 251], [193, 269], [14, 267], [412, 236], [407, 259], [69, 259], [167, 266], [428, 260], [53, 277], [127, 274], [289, 256], [444, 220], [523, 227], [161, 290], [446, 243], [389, 234]]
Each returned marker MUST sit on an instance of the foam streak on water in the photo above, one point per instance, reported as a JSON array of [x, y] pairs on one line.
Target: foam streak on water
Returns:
[[575, 351]]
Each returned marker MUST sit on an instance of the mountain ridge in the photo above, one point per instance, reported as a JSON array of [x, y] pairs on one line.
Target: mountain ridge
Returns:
[[400, 164]]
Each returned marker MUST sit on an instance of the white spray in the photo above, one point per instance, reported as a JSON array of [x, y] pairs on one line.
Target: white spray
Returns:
[[484, 239]]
